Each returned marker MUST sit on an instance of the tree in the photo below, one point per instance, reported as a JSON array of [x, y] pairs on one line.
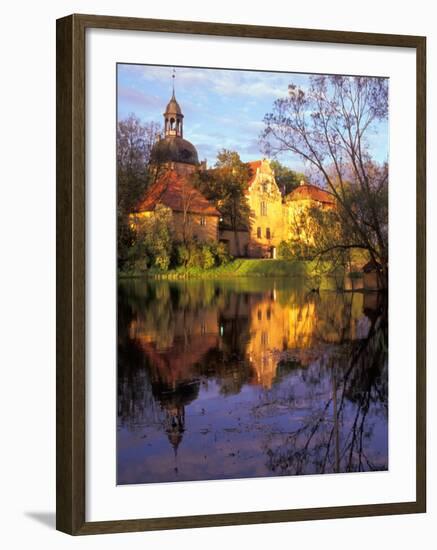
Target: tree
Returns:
[[134, 144], [225, 185], [328, 126], [286, 178], [187, 196], [154, 240]]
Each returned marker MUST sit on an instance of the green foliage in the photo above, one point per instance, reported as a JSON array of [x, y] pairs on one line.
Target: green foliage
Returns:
[[201, 255], [134, 144], [182, 254], [208, 258], [284, 251], [153, 245], [225, 185], [222, 254], [295, 250], [286, 178]]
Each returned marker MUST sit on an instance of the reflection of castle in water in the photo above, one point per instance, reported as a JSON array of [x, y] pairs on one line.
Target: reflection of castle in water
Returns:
[[173, 400], [257, 325], [238, 338]]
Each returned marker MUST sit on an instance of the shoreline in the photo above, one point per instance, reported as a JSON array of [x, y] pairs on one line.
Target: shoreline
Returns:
[[323, 276]]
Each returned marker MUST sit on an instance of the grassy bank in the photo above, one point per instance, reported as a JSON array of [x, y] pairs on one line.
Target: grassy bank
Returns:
[[244, 267]]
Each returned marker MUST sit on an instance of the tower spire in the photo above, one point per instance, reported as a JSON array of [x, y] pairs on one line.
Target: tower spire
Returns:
[[173, 117]]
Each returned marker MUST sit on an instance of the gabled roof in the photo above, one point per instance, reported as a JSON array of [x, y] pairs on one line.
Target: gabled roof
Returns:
[[253, 165], [306, 191], [176, 192]]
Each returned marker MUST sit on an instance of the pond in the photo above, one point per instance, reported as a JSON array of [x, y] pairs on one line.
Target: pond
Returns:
[[255, 377]]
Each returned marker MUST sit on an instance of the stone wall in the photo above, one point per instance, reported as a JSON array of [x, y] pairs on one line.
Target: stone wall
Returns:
[[202, 228], [230, 239]]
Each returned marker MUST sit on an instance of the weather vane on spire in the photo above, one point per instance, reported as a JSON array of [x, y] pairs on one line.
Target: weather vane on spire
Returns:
[[173, 76]]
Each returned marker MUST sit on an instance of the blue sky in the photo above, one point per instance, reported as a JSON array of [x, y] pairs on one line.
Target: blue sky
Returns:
[[222, 108]]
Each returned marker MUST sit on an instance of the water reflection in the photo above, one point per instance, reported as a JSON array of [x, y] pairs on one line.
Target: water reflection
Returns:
[[249, 377]]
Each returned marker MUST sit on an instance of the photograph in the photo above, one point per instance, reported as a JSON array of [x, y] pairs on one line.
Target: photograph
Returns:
[[252, 252]]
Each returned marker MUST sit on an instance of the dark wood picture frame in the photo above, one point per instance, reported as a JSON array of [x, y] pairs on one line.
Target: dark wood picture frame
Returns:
[[71, 284]]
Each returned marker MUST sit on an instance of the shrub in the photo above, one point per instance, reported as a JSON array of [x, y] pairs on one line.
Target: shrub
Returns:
[[153, 242], [201, 255], [222, 254], [295, 250], [207, 257], [154, 246], [182, 254], [284, 251], [162, 260]]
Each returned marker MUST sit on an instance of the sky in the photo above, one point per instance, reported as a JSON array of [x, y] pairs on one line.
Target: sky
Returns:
[[222, 108]]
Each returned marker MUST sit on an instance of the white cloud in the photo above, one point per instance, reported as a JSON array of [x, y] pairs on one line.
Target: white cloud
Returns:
[[224, 82]]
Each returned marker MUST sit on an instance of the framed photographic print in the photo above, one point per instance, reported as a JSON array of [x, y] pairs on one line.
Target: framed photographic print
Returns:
[[240, 274]]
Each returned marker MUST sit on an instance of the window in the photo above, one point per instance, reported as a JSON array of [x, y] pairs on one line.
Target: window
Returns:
[[263, 208], [264, 338], [268, 233], [202, 220], [258, 232]]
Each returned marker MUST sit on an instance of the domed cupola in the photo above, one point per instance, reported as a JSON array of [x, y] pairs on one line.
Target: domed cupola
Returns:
[[173, 148]]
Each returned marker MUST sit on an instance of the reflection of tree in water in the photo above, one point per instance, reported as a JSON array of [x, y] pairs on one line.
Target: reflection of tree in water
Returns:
[[227, 363], [136, 404], [335, 430]]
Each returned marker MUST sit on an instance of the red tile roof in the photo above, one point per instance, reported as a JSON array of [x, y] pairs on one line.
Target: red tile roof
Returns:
[[371, 266], [175, 191], [307, 191], [178, 363], [254, 165]]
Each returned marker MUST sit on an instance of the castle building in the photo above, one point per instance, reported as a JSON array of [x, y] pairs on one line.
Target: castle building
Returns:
[[192, 215], [174, 159], [274, 218], [266, 205]]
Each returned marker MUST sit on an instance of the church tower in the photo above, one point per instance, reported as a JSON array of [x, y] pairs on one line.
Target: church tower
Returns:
[[173, 119], [173, 151]]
